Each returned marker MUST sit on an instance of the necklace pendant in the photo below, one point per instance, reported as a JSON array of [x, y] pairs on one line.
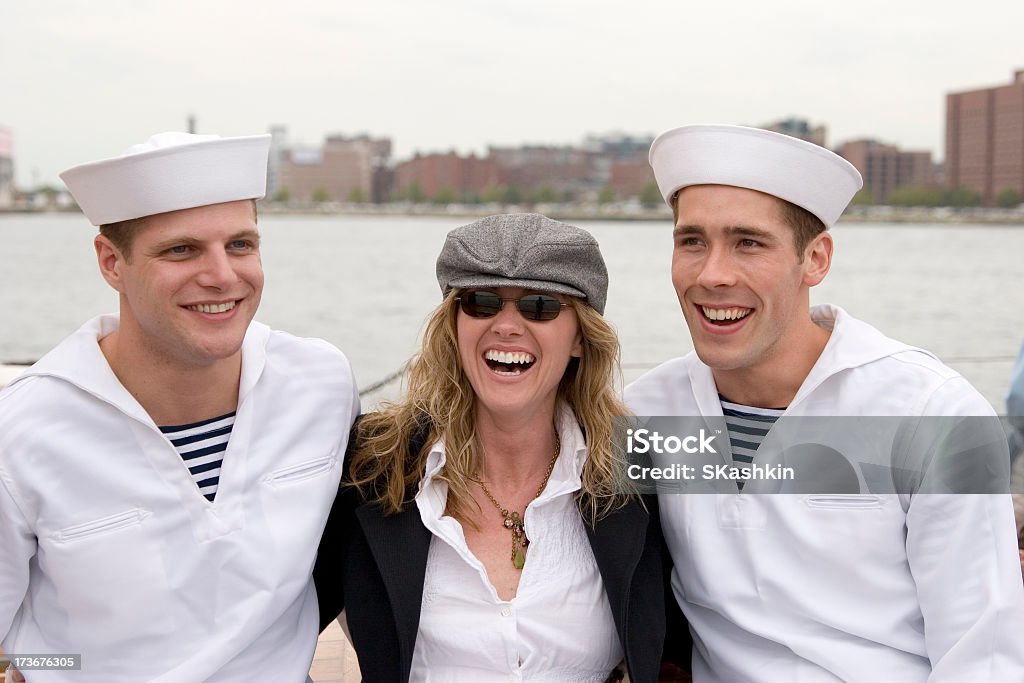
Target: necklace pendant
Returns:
[[508, 523], [518, 558]]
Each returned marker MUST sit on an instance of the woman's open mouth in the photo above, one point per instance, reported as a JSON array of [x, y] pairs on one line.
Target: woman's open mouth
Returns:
[[509, 363]]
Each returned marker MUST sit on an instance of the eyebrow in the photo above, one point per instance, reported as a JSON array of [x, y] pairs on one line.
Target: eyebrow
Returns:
[[193, 242], [253, 235], [174, 242], [681, 230], [730, 231], [746, 231]]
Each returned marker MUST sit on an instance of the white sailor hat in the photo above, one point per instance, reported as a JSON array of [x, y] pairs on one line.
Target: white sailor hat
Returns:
[[798, 171], [168, 172]]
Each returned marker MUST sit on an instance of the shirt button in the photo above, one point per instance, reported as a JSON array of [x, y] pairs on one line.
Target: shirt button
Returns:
[[506, 612]]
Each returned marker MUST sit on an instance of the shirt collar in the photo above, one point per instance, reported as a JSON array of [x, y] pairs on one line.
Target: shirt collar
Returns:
[[566, 476], [80, 361]]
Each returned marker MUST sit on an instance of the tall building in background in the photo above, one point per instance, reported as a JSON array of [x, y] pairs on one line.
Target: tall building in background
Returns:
[[798, 128], [6, 168], [985, 139], [887, 167]]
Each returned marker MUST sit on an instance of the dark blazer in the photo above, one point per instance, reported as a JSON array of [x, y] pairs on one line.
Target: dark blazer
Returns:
[[373, 566]]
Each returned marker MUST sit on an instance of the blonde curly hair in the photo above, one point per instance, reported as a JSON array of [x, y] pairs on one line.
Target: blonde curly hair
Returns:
[[440, 402]]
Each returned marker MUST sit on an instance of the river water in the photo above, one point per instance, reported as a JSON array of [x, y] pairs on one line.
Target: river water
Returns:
[[366, 284]]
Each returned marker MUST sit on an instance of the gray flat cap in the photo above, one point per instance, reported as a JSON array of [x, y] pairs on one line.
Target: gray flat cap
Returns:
[[524, 250]]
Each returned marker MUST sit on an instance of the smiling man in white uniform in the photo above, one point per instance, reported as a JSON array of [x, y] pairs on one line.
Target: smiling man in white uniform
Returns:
[[165, 473], [902, 587]]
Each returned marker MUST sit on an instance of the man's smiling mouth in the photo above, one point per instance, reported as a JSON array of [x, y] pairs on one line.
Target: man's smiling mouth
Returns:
[[725, 316], [212, 308]]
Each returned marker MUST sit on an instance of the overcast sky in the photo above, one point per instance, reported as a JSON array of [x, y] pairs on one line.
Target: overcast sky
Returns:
[[82, 81]]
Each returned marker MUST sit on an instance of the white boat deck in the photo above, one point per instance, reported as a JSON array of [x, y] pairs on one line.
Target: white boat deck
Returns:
[[335, 660]]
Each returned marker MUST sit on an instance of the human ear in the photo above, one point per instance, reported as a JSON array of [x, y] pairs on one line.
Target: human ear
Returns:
[[577, 345], [817, 259], [111, 262]]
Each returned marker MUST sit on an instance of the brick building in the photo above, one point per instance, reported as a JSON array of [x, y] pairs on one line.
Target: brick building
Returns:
[[432, 173], [619, 160], [568, 170], [531, 173], [887, 167], [985, 139], [344, 169], [628, 177]]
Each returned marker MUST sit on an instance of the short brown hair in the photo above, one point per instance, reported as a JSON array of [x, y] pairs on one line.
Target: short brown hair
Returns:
[[806, 226], [122, 233]]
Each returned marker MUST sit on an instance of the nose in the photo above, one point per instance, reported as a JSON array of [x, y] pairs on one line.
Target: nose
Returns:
[[509, 321], [217, 270], [716, 269]]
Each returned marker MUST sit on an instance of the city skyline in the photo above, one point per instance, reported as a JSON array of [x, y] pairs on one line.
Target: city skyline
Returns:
[[78, 86]]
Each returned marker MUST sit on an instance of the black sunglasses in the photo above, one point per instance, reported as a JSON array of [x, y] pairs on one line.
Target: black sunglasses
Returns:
[[483, 304]]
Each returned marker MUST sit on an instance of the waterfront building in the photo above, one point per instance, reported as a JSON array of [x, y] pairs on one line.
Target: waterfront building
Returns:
[[620, 162], [618, 146], [798, 128], [459, 178], [629, 177], [530, 174], [887, 167], [344, 169], [6, 168], [985, 140], [565, 171]]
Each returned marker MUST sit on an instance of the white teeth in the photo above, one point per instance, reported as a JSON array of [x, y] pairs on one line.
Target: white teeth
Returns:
[[725, 313], [212, 308], [510, 357]]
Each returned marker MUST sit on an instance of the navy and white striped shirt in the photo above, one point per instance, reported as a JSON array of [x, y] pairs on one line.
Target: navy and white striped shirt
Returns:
[[202, 445], [747, 427]]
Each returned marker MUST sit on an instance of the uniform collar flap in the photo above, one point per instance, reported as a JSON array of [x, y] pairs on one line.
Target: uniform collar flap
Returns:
[[79, 360], [852, 343]]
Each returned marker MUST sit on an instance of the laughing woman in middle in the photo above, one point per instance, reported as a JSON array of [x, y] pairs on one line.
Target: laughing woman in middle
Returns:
[[491, 536]]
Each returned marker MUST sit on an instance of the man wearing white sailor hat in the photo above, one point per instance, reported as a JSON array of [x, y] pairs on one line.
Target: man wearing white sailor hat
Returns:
[[166, 472], [857, 584]]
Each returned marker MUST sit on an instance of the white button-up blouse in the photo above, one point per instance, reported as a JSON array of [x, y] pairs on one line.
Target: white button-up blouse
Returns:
[[558, 627]]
